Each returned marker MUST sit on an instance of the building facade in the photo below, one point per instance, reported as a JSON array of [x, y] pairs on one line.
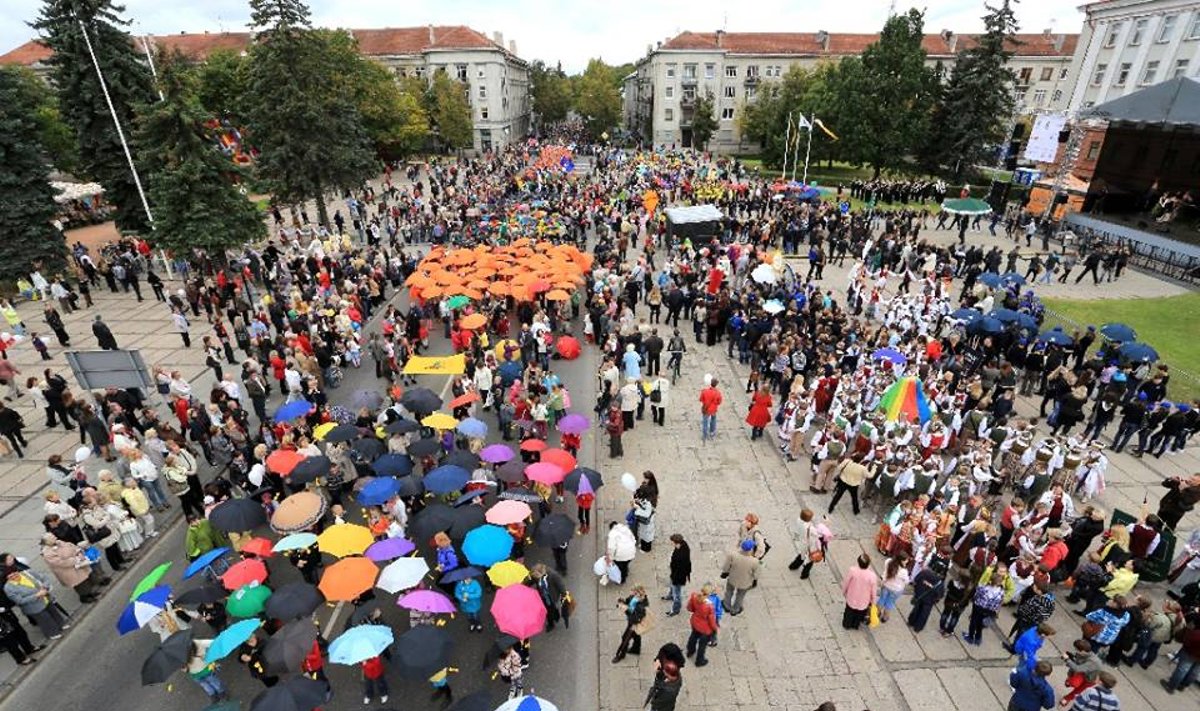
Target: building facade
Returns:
[[1127, 45], [660, 94], [496, 79]]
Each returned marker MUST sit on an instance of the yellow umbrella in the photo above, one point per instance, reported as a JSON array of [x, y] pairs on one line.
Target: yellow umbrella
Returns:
[[506, 346], [440, 421], [344, 539], [507, 572], [323, 429]]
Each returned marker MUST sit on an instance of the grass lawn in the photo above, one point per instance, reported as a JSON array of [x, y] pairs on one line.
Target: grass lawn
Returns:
[[1171, 325]]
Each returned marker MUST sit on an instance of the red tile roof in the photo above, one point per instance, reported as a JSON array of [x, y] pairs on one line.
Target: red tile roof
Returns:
[[371, 42], [850, 44]]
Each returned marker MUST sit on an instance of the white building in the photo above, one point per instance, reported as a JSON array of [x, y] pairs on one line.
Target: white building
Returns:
[[497, 80], [1128, 45], [660, 94]]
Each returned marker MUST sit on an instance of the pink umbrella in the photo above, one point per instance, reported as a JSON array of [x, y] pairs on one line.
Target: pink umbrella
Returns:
[[430, 601], [574, 423], [390, 549], [545, 472], [496, 453], [518, 610], [508, 511]]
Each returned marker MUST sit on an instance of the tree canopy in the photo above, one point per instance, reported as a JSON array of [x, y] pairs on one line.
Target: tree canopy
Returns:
[[704, 121], [551, 90], [450, 111], [598, 98]]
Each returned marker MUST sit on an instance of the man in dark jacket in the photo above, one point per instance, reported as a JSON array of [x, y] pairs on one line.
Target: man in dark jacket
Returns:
[[104, 337], [654, 347], [1031, 691], [11, 425]]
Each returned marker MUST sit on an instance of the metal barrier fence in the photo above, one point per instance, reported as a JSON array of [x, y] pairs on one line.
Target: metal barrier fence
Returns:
[[1152, 253]]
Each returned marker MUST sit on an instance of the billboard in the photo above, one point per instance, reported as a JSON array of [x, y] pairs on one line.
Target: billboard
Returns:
[[1042, 146], [96, 370]]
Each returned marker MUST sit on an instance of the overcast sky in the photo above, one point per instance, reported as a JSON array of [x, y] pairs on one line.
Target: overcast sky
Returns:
[[568, 30]]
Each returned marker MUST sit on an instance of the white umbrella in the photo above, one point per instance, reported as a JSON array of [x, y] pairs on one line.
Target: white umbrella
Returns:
[[402, 574], [527, 703], [773, 307], [764, 274]]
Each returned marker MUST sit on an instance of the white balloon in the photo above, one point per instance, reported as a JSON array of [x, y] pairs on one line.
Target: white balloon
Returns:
[[82, 453], [629, 481]]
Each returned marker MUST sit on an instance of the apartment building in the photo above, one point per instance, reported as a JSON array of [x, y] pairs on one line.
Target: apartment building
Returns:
[[660, 94], [497, 80]]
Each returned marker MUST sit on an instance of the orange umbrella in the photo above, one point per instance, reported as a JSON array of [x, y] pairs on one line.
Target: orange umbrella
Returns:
[[283, 461], [348, 578], [485, 272], [466, 399], [417, 279], [561, 457], [564, 285], [474, 294], [432, 292], [477, 284], [500, 288], [445, 278], [473, 322], [557, 295], [539, 285]]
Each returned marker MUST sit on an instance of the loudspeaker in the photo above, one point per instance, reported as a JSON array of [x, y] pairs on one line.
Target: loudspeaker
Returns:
[[1018, 130], [1060, 199], [1064, 135], [998, 195]]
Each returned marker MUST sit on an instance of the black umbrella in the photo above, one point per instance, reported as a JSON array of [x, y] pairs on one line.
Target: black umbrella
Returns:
[[466, 518], [202, 595], [362, 614], [168, 658], [519, 493], [460, 573], [430, 520], [497, 649], [293, 601], [401, 426], [421, 400], [285, 651], [571, 482], [310, 468], [425, 447], [237, 515], [470, 496], [368, 448], [478, 701], [342, 433], [512, 471], [370, 399], [410, 486], [298, 693], [462, 458], [552, 531], [421, 652]]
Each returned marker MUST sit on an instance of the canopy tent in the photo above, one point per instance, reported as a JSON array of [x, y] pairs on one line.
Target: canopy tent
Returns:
[[695, 220], [1172, 103]]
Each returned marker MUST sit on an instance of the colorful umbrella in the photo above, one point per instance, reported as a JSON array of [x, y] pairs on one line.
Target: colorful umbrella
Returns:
[[283, 461], [248, 600], [518, 610], [487, 545], [503, 513], [298, 512], [378, 491], [243, 573], [457, 302], [393, 464], [463, 400], [150, 580], [343, 539], [574, 423], [507, 572], [1118, 332], [532, 445], [966, 206], [439, 421], [905, 400], [139, 612], [575, 480], [390, 548], [203, 561], [348, 578], [260, 547], [322, 429], [561, 457], [430, 601], [230, 639], [292, 410], [545, 472], [446, 478], [496, 453], [527, 703], [473, 322], [460, 573], [472, 427], [360, 643], [402, 574], [568, 347], [891, 355], [295, 541]]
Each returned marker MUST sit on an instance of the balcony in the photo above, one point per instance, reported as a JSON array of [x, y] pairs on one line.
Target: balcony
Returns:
[[751, 80], [689, 81], [687, 102]]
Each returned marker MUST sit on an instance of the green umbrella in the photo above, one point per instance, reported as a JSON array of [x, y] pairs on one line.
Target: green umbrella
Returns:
[[457, 302], [150, 580], [248, 600], [966, 206]]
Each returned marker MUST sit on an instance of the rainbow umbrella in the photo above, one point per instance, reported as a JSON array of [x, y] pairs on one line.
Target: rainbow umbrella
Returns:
[[906, 400]]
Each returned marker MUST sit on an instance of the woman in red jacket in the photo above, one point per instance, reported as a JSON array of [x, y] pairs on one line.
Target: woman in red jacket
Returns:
[[760, 412]]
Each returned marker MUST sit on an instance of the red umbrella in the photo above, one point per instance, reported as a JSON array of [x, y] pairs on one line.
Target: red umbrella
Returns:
[[533, 445], [545, 472], [558, 456], [283, 461], [518, 610], [263, 548], [464, 399], [537, 286], [568, 347], [243, 573]]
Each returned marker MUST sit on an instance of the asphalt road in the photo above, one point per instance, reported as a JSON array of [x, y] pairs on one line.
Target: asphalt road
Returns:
[[93, 667]]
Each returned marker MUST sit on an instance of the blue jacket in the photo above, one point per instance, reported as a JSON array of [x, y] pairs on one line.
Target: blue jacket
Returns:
[[447, 560], [1030, 691], [469, 594], [1027, 646]]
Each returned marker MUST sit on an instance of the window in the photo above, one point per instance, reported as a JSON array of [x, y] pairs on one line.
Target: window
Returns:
[[1093, 150], [461, 72], [670, 92], [1166, 28], [730, 92], [1047, 73], [1039, 97], [1098, 76], [1024, 76], [480, 73], [731, 72], [1057, 96], [1020, 95], [1181, 67], [750, 92], [752, 71], [1114, 31], [1123, 74], [710, 70], [689, 93], [689, 71], [669, 115], [483, 113], [727, 114], [670, 70], [1139, 31], [1194, 30], [1149, 73]]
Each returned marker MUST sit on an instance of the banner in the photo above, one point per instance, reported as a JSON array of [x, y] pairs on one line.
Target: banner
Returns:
[[1043, 139], [436, 365]]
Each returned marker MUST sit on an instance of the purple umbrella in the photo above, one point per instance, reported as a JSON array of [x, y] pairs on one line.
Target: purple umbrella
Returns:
[[390, 549], [496, 453], [427, 601], [574, 423]]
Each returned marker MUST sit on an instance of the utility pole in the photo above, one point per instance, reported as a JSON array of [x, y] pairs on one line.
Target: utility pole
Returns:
[[808, 150], [787, 143]]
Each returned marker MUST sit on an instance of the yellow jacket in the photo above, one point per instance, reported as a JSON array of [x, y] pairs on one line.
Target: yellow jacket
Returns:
[[1122, 582]]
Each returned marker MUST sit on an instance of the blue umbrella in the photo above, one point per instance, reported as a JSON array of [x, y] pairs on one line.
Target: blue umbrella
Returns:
[[460, 573], [378, 491], [509, 371], [230, 639], [890, 354], [487, 545], [472, 427], [469, 497], [446, 478], [1026, 322], [1056, 337], [1012, 279], [1005, 315], [204, 561], [1138, 352], [292, 410], [143, 609], [295, 541], [990, 279], [393, 465], [360, 643], [986, 324], [967, 315], [1118, 332]]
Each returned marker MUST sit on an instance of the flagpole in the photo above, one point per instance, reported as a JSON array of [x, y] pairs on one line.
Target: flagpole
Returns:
[[808, 150], [787, 142]]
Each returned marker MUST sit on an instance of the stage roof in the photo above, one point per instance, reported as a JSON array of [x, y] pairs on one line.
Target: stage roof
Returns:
[[1174, 103]]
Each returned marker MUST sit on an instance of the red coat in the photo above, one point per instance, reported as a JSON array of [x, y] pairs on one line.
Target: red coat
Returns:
[[760, 410]]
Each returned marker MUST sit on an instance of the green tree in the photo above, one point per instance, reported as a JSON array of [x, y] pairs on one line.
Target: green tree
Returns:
[[890, 97], [598, 98], [300, 113], [222, 84], [551, 91], [28, 238], [704, 121], [81, 98], [450, 112], [56, 136], [196, 203], [765, 118], [976, 105]]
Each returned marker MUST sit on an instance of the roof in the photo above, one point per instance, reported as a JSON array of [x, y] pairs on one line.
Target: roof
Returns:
[[371, 42], [1173, 102], [840, 44]]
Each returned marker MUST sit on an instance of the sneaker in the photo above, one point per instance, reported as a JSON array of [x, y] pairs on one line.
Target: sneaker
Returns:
[[66, 625], [383, 699], [366, 701], [56, 636]]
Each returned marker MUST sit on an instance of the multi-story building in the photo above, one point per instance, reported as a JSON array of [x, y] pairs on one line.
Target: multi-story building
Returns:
[[660, 95], [496, 79], [1128, 45]]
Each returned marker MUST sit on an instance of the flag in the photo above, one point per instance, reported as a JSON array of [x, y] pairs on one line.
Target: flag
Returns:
[[831, 134], [436, 365], [803, 123]]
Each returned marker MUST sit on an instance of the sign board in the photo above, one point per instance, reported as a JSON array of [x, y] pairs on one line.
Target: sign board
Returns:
[[96, 370], [1025, 176], [1042, 146]]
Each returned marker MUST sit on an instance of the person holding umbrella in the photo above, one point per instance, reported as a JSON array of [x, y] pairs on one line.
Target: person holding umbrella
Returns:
[[251, 654], [552, 589], [203, 673], [469, 594], [510, 669], [374, 680]]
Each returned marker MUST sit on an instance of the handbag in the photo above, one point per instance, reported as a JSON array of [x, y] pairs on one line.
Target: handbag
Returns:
[[644, 625], [94, 534], [816, 555]]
